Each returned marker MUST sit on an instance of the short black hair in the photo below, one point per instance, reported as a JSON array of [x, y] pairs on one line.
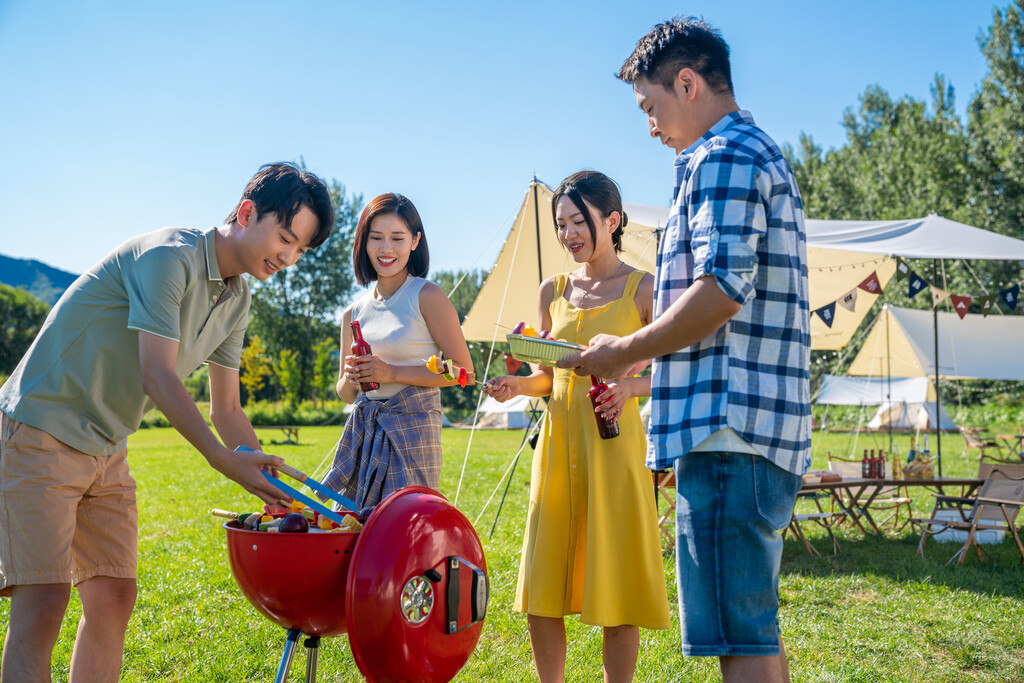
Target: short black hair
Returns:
[[600, 192], [283, 189], [680, 43], [398, 205]]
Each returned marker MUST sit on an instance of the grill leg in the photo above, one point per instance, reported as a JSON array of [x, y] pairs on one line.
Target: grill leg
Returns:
[[286, 658], [312, 644]]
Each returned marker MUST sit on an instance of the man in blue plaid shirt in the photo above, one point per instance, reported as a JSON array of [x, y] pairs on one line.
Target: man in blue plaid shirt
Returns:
[[731, 348]]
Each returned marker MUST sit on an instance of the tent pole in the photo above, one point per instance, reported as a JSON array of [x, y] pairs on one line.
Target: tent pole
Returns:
[[938, 399], [888, 376], [536, 230]]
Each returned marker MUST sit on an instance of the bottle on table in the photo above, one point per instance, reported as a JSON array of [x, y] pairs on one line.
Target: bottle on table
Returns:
[[607, 427], [897, 467], [865, 466], [911, 454], [926, 454], [882, 462], [361, 348]]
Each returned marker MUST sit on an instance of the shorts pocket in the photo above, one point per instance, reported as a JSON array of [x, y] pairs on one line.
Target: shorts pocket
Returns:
[[775, 492]]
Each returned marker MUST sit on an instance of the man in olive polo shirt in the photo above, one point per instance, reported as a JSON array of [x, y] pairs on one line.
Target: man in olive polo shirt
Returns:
[[119, 342]]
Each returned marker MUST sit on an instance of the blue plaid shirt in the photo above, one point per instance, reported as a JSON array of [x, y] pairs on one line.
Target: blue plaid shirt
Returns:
[[737, 216]]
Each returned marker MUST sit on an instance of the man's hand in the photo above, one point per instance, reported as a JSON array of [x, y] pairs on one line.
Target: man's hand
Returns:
[[605, 358], [245, 467]]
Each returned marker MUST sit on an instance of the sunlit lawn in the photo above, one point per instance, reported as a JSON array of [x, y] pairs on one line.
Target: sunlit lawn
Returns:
[[874, 613]]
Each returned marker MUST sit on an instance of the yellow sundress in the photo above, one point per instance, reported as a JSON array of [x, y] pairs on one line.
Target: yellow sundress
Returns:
[[591, 545]]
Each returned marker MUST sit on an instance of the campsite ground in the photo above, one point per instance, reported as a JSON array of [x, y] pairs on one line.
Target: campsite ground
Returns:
[[874, 613]]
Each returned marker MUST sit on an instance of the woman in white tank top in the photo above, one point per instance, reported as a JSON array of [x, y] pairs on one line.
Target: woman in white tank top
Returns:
[[393, 436]]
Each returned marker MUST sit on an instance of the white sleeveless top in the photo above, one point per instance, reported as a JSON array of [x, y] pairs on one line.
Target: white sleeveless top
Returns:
[[395, 330]]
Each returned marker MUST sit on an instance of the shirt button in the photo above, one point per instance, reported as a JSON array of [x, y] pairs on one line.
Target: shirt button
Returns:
[[213, 299]]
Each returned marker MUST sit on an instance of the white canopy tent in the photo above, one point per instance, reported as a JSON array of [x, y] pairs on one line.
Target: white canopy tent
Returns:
[[902, 343], [904, 402]]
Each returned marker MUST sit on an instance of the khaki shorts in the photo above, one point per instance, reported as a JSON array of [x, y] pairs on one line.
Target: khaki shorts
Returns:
[[65, 516]]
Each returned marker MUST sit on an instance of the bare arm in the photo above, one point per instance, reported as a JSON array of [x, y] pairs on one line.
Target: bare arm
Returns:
[[157, 356], [230, 421], [701, 310]]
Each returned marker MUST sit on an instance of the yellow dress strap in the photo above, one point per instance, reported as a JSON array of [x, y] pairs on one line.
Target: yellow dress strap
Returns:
[[633, 283], [560, 280]]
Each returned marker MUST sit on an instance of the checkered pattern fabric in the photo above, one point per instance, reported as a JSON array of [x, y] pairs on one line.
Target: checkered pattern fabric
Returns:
[[737, 216], [388, 445]]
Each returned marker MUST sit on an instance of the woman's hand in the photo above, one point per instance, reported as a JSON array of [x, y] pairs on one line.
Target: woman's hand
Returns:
[[612, 400], [502, 388], [368, 369]]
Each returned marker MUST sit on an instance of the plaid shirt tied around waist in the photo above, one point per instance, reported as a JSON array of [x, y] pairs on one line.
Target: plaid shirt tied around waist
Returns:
[[737, 216], [388, 445]]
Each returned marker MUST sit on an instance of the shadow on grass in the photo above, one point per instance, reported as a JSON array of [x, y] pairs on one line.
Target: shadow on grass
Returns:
[[894, 558]]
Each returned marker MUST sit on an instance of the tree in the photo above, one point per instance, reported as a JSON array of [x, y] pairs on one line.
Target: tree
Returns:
[[325, 370], [256, 367], [21, 318], [301, 305], [291, 377], [996, 123]]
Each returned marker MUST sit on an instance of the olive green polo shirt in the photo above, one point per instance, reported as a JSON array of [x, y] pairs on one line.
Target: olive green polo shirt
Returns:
[[81, 380]]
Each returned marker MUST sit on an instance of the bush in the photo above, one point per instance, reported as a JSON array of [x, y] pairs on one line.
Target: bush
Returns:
[[301, 415]]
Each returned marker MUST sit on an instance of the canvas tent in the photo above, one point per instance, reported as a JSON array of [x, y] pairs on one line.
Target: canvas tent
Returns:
[[904, 402], [901, 343], [509, 294], [840, 255], [513, 414]]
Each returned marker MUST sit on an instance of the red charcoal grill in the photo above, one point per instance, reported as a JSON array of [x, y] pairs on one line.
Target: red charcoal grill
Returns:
[[410, 588]]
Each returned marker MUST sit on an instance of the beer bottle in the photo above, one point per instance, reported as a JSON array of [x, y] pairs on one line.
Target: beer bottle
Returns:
[[607, 427], [361, 348]]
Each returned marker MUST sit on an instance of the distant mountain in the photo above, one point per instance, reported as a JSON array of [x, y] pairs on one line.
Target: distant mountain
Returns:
[[40, 280]]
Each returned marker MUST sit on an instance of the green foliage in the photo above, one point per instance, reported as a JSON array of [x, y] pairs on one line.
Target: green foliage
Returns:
[[290, 375], [198, 383], [305, 413], [325, 373], [21, 317], [256, 368]]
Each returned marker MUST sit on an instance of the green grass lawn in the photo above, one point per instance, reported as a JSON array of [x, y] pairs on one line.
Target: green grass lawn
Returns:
[[874, 613]]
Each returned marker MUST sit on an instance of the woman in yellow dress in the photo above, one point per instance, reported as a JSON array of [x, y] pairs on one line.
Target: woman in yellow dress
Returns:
[[591, 545]]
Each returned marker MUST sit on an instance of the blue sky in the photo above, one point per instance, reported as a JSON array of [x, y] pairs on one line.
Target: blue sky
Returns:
[[118, 118]]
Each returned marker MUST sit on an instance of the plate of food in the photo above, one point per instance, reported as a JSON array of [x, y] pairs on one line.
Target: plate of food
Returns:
[[527, 345]]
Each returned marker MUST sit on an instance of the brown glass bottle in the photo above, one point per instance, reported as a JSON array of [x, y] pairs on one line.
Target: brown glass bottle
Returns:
[[361, 348], [607, 427]]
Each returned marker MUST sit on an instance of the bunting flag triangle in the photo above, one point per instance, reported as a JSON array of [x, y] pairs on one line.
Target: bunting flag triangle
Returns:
[[827, 314], [849, 300], [961, 304], [1009, 296], [871, 284], [938, 295], [915, 284], [902, 270], [511, 364], [987, 302]]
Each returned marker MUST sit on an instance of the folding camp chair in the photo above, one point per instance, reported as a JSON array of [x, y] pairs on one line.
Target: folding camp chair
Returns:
[[889, 498], [995, 507], [973, 438], [825, 520]]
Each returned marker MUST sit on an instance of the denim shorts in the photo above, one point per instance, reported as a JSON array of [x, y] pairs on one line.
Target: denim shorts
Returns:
[[730, 508]]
